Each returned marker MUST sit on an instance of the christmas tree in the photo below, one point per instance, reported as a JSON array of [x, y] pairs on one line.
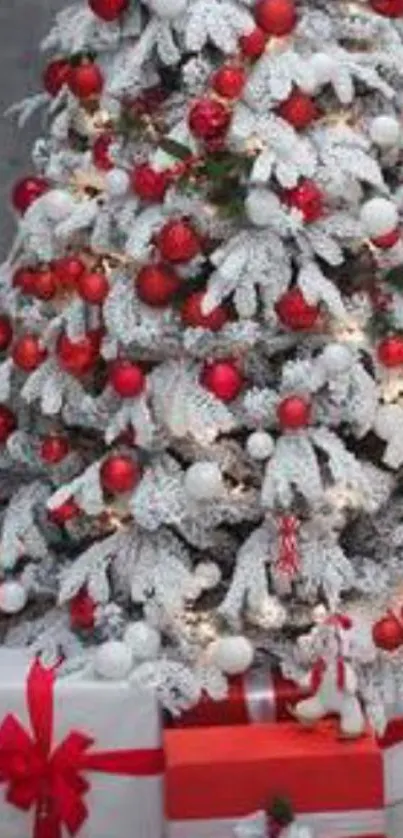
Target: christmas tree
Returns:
[[202, 344]]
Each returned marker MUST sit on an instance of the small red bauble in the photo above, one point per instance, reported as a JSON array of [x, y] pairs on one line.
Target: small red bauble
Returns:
[[54, 449], [294, 412], [93, 287], [389, 8], [149, 184], [127, 378], [387, 241], [8, 423], [156, 285], [86, 80], [24, 278], [387, 633], [294, 312], [79, 357], [299, 110], [6, 332], [307, 198], [229, 81], [68, 272], [223, 379], [108, 10], [254, 44], [26, 191], [45, 284], [64, 513], [100, 152], [120, 474], [276, 17], [209, 119], [192, 313], [82, 611], [55, 75], [390, 351], [28, 353], [178, 242]]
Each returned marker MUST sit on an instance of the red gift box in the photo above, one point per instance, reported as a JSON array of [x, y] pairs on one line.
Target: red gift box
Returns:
[[216, 777]]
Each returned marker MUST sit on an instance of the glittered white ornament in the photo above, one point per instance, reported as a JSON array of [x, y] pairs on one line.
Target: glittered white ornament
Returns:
[[143, 640], [259, 207], [203, 481], [231, 655], [384, 131], [117, 183], [113, 660], [58, 204], [388, 420], [208, 575], [13, 597], [378, 217], [167, 9], [260, 445], [336, 358]]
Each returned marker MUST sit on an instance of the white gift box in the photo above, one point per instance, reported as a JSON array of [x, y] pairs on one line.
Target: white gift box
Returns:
[[124, 796]]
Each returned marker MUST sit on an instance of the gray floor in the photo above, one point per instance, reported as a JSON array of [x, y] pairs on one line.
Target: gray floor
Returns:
[[22, 25]]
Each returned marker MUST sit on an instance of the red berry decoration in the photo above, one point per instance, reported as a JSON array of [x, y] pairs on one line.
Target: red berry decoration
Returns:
[[149, 184], [54, 449], [79, 357], [108, 10], [192, 313], [156, 285], [178, 242], [82, 611], [93, 287], [229, 81], [387, 241], [388, 8], [387, 633], [24, 279], [28, 353], [56, 75], [223, 379], [120, 474], [6, 332], [45, 284], [209, 119], [100, 152], [8, 423], [294, 412], [299, 110], [27, 191], [127, 379], [254, 44], [390, 351], [307, 198], [64, 513], [86, 80], [276, 17], [294, 312], [68, 272]]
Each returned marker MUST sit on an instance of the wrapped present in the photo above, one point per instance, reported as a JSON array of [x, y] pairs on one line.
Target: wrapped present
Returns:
[[77, 757], [391, 744], [216, 776], [261, 695]]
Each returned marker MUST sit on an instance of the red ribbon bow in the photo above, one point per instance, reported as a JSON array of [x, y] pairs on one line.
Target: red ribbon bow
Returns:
[[50, 779]]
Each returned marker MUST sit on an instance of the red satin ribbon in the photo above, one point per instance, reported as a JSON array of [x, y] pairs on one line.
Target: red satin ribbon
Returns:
[[50, 780]]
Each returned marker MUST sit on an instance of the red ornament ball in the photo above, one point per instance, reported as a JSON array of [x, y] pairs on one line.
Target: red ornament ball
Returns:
[[209, 119], [390, 351], [127, 378], [82, 611], [307, 198], [79, 357], [93, 287], [86, 80], [192, 313], [8, 423], [276, 17], [100, 152], [27, 353], [24, 279], [120, 474], [254, 44], [294, 412], [388, 8], [54, 449], [68, 271], [27, 191], [64, 513], [108, 10], [55, 75], [229, 81], [156, 285], [45, 284], [223, 379], [387, 241], [294, 312], [178, 242], [299, 110], [6, 332], [387, 633], [149, 184]]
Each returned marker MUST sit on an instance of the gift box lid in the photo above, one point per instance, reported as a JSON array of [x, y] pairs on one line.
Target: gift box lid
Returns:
[[232, 771]]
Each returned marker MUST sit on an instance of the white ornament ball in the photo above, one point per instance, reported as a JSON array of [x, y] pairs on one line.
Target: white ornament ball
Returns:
[[259, 207], [208, 575], [260, 445], [143, 640], [319, 614], [58, 204], [337, 358], [117, 183], [378, 217], [113, 660], [388, 419], [167, 9], [384, 131], [13, 597], [204, 481], [231, 655]]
